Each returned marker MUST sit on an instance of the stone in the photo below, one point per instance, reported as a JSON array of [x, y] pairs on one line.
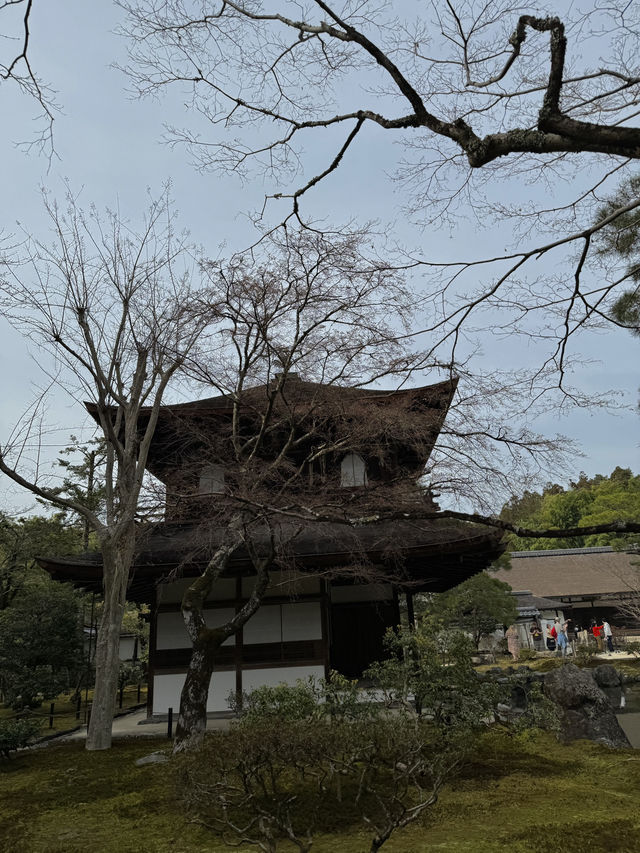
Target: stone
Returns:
[[585, 711], [606, 675], [154, 758]]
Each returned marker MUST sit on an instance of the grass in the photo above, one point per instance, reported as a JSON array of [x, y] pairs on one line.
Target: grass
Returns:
[[516, 794], [65, 710]]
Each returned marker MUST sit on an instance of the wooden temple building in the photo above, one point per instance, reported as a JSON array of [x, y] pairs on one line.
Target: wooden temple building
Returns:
[[334, 588]]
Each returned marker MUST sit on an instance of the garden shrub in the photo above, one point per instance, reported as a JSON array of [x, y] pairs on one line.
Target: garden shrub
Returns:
[[16, 734], [584, 654], [323, 756], [527, 654]]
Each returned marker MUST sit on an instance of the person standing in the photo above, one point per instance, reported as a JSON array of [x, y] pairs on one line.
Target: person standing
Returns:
[[608, 636], [552, 636], [513, 641], [563, 640], [596, 630], [536, 636]]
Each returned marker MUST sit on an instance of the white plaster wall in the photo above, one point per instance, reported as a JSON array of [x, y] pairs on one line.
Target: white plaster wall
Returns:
[[362, 592], [171, 633], [127, 647], [265, 626], [301, 621], [167, 689], [252, 678]]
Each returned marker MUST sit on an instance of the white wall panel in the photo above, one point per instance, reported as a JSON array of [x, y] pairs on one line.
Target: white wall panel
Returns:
[[167, 689], [218, 616], [171, 633], [252, 678], [301, 620], [264, 626]]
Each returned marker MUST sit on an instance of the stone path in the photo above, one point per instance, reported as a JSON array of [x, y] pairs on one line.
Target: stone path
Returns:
[[136, 725]]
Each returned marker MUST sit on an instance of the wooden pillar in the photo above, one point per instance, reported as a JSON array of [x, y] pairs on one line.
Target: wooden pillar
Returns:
[[411, 616], [239, 641], [153, 638], [324, 621]]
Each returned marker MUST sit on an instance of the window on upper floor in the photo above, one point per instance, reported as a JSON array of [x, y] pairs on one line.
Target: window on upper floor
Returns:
[[353, 471], [211, 480]]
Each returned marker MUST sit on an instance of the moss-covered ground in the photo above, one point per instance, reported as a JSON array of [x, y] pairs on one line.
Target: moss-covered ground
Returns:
[[515, 794]]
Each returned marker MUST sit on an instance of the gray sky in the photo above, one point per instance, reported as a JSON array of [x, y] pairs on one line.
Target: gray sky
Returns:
[[108, 148]]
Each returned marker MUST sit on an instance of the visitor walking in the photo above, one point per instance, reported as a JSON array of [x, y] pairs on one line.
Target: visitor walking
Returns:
[[608, 636]]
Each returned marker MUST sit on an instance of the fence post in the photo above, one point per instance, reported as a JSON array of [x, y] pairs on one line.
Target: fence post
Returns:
[[170, 723], [121, 695], [138, 699], [78, 707], [51, 715]]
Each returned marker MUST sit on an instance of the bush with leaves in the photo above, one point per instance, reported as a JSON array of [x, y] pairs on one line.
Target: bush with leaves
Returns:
[[431, 668], [271, 780], [327, 755], [16, 734], [478, 606], [41, 644], [527, 654]]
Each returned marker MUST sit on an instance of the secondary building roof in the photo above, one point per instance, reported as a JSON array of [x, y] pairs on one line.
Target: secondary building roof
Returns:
[[573, 572]]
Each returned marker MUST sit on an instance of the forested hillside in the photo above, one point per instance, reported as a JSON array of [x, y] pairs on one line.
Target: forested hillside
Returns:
[[587, 501]]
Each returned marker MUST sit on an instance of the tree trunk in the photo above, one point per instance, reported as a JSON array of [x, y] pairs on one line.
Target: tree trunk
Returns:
[[116, 576], [192, 720]]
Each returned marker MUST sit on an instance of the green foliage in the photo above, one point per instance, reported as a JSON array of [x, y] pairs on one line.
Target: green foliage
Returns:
[[324, 756], [621, 239], [527, 654], [280, 702], [131, 672], [16, 734], [478, 606], [41, 644], [432, 668], [588, 501], [24, 539], [633, 648], [584, 654], [291, 764]]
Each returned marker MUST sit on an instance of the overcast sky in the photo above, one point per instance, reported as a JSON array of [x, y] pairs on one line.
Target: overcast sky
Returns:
[[108, 147]]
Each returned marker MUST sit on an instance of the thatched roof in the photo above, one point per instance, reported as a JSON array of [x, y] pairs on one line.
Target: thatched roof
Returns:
[[573, 572], [432, 556]]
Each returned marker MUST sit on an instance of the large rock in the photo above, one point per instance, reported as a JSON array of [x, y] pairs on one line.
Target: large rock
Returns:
[[585, 711], [606, 675]]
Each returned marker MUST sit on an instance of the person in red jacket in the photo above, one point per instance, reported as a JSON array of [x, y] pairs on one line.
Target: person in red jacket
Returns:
[[596, 630]]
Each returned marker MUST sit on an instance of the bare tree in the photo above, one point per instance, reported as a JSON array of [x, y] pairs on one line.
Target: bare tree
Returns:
[[16, 66], [491, 101], [115, 307]]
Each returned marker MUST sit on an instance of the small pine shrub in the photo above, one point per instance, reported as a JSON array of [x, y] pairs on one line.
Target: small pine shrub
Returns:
[[527, 654]]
